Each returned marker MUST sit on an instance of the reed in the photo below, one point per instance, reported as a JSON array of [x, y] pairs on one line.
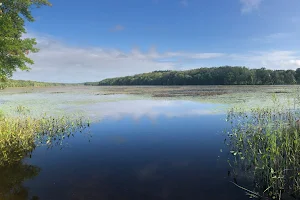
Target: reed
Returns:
[[265, 148], [20, 135]]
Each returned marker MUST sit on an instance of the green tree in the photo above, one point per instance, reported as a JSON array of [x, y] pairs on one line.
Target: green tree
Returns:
[[227, 75], [297, 75], [14, 49], [290, 77]]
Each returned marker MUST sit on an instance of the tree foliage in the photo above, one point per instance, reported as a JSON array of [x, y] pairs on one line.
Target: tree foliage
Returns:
[[225, 75], [14, 48], [22, 83]]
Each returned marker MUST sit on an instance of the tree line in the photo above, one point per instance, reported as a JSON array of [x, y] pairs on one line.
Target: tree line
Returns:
[[22, 83], [225, 75]]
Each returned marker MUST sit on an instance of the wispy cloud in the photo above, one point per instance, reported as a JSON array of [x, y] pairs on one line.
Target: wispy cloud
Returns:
[[250, 5], [194, 55], [149, 108], [59, 62], [184, 3], [117, 28], [270, 59], [295, 62]]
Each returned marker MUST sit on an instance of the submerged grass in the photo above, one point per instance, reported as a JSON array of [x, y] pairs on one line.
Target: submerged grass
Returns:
[[265, 148], [20, 135]]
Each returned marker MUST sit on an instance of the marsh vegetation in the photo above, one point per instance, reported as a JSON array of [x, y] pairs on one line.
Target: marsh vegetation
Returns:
[[20, 135], [263, 143], [155, 142], [265, 148]]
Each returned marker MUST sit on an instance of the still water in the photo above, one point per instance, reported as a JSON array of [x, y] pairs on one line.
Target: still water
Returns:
[[139, 150]]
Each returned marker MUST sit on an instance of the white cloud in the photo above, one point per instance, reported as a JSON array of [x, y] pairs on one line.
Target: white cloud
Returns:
[[250, 5], [58, 62], [194, 55], [152, 109], [270, 59], [295, 62]]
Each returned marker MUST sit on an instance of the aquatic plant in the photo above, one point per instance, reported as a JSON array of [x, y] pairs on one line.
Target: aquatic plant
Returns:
[[22, 109], [54, 130], [19, 135], [1, 114], [265, 148], [16, 139]]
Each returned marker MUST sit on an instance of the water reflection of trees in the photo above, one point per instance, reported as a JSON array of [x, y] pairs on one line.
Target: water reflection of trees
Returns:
[[12, 178]]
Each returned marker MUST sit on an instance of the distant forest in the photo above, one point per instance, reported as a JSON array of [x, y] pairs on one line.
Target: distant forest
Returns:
[[225, 75], [22, 83]]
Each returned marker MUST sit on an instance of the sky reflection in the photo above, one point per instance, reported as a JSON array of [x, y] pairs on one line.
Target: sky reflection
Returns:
[[151, 109]]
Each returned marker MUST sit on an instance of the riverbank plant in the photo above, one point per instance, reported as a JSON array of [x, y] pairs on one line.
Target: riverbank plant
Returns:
[[265, 148], [20, 135]]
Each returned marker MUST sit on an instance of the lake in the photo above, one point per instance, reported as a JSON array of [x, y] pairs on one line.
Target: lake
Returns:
[[135, 148]]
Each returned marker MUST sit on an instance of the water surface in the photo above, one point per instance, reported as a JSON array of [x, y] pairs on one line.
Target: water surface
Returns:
[[141, 149]]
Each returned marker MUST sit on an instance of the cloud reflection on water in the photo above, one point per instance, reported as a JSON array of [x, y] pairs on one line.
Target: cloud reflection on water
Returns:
[[150, 108]]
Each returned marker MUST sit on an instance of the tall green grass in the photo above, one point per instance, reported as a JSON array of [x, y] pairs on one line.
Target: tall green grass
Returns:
[[265, 148], [20, 135]]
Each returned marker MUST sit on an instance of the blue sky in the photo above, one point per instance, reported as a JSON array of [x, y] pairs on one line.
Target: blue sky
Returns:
[[96, 39]]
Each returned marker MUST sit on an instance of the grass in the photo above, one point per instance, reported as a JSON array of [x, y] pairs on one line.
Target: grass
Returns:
[[20, 135], [1, 114], [265, 148], [16, 139], [264, 142], [22, 109]]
